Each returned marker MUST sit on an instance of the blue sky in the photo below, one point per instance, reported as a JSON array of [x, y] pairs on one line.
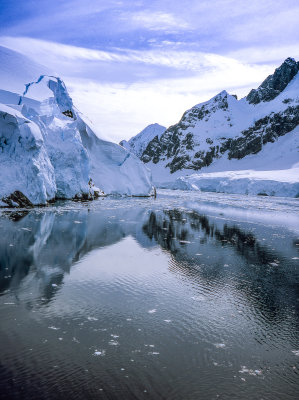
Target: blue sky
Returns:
[[131, 63]]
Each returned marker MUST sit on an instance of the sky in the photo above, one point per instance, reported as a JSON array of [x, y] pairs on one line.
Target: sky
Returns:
[[130, 63]]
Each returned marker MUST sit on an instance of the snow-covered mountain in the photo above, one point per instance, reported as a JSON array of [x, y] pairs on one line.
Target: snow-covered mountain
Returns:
[[225, 133], [47, 151], [137, 144]]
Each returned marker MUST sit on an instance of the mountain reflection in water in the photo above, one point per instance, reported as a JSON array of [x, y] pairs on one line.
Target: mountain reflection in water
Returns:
[[224, 266]]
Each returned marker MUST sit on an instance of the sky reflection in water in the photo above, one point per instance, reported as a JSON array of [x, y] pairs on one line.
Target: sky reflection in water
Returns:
[[130, 298]]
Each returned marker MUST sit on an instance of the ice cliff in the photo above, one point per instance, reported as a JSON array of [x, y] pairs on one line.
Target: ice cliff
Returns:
[[48, 152]]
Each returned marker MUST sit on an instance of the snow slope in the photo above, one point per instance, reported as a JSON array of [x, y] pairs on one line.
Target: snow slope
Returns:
[[47, 151], [137, 144], [16, 70]]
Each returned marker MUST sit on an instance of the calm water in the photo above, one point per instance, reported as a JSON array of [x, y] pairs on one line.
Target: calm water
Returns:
[[189, 296]]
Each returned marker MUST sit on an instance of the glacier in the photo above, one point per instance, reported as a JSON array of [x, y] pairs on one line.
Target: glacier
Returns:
[[49, 152]]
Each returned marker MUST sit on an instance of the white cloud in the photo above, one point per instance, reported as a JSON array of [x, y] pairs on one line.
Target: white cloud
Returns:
[[156, 21], [55, 53], [264, 54], [262, 27], [121, 107]]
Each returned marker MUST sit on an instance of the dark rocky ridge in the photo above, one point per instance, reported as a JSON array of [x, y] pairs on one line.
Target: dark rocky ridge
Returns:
[[274, 84]]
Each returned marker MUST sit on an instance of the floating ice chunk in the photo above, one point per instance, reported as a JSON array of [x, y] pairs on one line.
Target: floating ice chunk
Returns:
[[114, 336], [153, 353], [9, 303], [198, 298], [75, 340], [77, 222], [26, 229], [167, 320], [92, 318], [184, 241], [219, 345], [113, 343], [152, 311], [54, 328], [296, 352], [99, 353], [54, 285], [245, 370]]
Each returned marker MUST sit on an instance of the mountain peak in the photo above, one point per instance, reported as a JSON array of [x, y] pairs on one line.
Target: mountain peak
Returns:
[[138, 143], [274, 84], [219, 96], [223, 93], [289, 61]]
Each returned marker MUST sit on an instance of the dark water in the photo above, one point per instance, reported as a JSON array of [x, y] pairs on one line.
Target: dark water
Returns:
[[191, 296]]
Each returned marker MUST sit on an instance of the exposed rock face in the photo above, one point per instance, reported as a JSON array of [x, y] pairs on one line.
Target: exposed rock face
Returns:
[[274, 84], [225, 127], [17, 199], [264, 130]]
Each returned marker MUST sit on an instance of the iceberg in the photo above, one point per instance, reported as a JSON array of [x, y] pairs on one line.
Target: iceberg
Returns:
[[48, 151]]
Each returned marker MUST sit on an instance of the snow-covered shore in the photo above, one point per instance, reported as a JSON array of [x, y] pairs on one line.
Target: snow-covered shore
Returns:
[[282, 183]]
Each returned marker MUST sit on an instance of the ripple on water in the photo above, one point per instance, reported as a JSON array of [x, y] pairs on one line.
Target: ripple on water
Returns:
[[150, 299]]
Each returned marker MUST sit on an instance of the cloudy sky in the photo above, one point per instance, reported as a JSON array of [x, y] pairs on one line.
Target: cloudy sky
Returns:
[[131, 63]]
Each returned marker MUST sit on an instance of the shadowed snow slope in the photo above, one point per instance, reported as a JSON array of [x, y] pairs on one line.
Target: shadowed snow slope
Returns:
[[47, 151]]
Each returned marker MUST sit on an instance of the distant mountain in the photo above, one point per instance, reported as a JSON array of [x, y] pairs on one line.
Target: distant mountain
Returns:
[[220, 133], [137, 144]]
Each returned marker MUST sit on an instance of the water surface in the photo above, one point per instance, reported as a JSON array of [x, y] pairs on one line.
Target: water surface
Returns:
[[189, 296]]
